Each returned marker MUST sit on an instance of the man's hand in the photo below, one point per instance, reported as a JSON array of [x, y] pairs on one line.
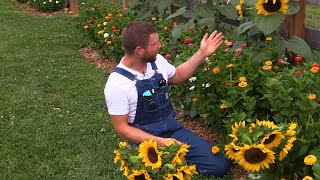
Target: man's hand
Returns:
[[165, 141], [210, 44]]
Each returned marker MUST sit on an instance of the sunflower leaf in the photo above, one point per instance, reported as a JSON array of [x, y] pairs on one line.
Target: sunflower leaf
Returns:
[[178, 13], [245, 26], [294, 8], [134, 159], [268, 24], [228, 11], [298, 46]]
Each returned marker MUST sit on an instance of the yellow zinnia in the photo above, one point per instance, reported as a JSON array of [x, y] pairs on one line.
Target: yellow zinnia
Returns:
[[242, 84], [312, 96], [122, 144], [268, 63], [216, 70], [118, 156], [267, 68], [307, 178], [255, 157], [229, 65], [314, 70], [223, 106], [242, 79], [151, 156], [268, 7], [310, 160]]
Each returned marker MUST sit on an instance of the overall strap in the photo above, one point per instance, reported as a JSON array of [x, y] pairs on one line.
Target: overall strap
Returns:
[[154, 66], [125, 73]]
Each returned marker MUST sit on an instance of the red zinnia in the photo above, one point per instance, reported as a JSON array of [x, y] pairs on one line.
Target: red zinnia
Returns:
[[112, 3], [244, 45], [227, 84], [114, 27], [186, 41], [91, 20], [275, 67], [315, 65], [298, 58], [298, 73]]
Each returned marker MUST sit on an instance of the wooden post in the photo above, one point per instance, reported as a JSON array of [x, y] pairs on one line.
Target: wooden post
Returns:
[[74, 6], [295, 25], [125, 4]]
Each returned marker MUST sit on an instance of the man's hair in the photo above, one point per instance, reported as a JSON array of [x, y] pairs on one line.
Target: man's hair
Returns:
[[136, 34]]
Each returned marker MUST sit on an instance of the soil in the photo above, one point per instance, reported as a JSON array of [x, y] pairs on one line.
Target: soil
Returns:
[[92, 56]]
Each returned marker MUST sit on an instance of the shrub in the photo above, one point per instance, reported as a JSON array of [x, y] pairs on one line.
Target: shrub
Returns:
[[47, 5]]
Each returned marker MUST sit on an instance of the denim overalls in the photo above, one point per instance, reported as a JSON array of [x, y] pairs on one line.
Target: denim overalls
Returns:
[[155, 115]]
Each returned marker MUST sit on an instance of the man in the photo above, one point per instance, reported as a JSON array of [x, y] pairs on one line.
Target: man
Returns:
[[138, 101]]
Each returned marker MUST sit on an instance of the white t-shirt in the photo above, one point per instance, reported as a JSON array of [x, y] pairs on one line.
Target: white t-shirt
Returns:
[[121, 93]]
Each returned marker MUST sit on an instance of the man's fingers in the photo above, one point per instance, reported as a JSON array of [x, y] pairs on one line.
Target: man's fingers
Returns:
[[213, 34], [205, 37]]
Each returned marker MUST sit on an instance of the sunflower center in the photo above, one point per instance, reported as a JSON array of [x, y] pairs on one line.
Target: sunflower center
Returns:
[[270, 7], [140, 177], [254, 155], [270, 139], [175, 178], [152, 155]]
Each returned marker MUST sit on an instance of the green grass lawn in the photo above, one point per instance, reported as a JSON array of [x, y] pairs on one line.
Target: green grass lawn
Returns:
[[53, 120], [313, 16]]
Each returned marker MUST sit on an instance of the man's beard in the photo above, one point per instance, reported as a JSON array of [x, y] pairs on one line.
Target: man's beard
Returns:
[[149, 58]]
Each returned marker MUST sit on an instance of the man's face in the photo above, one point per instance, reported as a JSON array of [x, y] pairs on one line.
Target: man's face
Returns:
[[152, 48]]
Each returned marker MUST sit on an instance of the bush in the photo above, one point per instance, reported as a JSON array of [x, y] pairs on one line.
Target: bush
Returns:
[[47, 5]]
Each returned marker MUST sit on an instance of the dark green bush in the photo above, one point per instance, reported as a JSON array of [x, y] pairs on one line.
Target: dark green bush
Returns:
[[47, 5]]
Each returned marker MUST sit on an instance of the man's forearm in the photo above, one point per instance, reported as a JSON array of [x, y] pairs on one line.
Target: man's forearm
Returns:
[[188, 68]]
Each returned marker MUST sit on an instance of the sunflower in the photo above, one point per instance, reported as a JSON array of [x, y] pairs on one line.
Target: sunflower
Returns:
[[307, 178], [235, 128], [239, 8], [181, 153], [139, 174], [253, 157], [186, 172], [148, 151], [215, 149], [118, 156], [231, 150], [273, 139], [285, 150], [124, 168], [268, 7], [122, 144]]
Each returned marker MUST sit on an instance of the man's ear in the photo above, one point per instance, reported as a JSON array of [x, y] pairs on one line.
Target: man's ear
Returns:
[[139, 50]]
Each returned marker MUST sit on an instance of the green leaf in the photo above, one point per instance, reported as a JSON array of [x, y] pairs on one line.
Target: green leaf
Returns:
[[179, 12], [268, 24], [164, 4], [245, 26], [134, 159], [294, 8], [204, 10], [299, 47], [228, 11], [303, 150]]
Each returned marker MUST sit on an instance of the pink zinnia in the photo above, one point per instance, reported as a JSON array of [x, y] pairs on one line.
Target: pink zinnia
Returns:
[[280, 61], [229, 44], [168, 56]]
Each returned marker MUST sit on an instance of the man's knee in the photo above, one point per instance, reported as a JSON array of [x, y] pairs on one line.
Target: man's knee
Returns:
[[218, 166]]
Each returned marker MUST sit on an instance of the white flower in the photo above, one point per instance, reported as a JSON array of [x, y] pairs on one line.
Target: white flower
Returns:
[[203, 85], [105, 23], [177, 55], [191, 88], [57, 2], [208, 85], [105, 35], [50, 1], [44, 2], [83, 3], [34, 0], [192, 79]]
